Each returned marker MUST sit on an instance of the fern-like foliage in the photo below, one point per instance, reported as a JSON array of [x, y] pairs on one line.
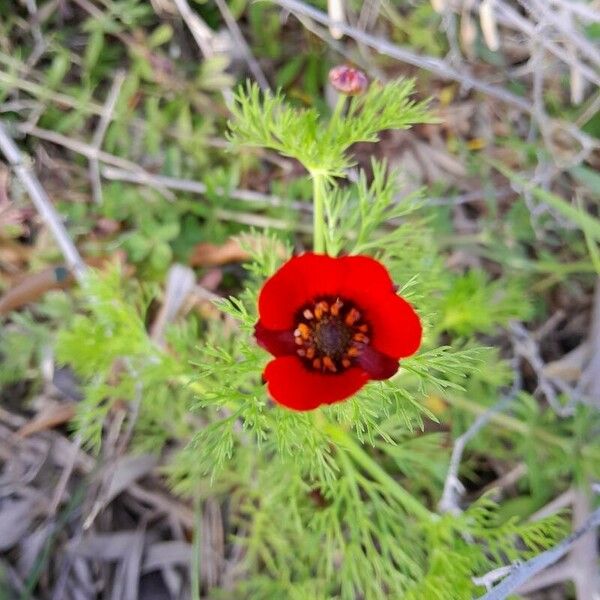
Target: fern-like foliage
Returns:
[[334, 503], [266, 120], [109, 347]]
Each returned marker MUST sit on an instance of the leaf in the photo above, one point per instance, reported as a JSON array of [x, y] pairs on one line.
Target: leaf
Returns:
[[93, 49], [161, 35], [206, 254], [49, 417], [32, 287]]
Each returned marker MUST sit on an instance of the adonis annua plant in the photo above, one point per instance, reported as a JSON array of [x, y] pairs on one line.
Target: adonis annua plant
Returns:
[[307, 417]]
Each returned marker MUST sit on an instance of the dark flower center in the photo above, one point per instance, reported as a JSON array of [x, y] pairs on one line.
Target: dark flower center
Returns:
[[330, 334]]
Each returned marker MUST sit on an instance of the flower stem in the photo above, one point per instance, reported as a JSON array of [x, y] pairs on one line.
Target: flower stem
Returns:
[[410, 503], [338, 111], [318, 212]]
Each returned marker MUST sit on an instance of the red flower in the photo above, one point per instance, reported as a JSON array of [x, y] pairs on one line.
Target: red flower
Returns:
[[332, 324], [348, 80]]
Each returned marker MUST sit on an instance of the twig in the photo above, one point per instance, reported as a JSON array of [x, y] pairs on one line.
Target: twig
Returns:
[[557, 504], [563, 23], [583, 11], [35, 25], [100, 132], [453, 488], [335, 10], [237, 35], [197, 187], [429, 63], [527, 570], [203, 35], [528, 348], [88, 151], [510, 17], [42, 203], [488, 580], [199, 29], [87, 107], [72, 257]]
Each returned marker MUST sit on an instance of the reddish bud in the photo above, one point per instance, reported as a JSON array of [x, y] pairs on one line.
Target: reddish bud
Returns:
[[348, 80]]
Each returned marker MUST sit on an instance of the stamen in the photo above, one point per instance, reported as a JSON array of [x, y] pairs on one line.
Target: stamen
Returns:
[[360, 337], [321, 308], [303, 331], [335, 307], [352, 316], [330, 334], [328, 364]]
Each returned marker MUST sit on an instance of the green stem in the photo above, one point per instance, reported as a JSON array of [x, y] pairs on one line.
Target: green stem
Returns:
[[318, 212], [196, 549], [410, 503], [338, 111]]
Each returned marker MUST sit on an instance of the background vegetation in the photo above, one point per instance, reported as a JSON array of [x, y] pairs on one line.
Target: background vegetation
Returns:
[[139, 455]]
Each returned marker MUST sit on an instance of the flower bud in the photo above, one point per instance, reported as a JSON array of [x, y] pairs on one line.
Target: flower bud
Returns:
[[348, 80]]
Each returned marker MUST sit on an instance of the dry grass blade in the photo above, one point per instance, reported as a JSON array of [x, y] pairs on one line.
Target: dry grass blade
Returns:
[[50, 416], [16, 517], [42, 202], [128, 470], [163, 554]]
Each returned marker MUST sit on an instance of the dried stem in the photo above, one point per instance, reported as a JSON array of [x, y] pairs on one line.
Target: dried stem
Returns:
[[453, 488], [100, 132], [42, 202]]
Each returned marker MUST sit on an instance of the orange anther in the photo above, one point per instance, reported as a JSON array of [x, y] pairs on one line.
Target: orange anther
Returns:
[[310, 352], [352, 316], [316, 363], [328, 364], [360, 337], [353, 351], [364, 328], [301, 352], [321, 308], [303, 331], [336, 306], [346, 362]]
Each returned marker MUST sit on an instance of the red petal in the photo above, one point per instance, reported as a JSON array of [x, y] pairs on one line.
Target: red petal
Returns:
[[290, 383], [396, 326], [377, 364], [297, 282], [277, 342], [397, 329], [359, 271]]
